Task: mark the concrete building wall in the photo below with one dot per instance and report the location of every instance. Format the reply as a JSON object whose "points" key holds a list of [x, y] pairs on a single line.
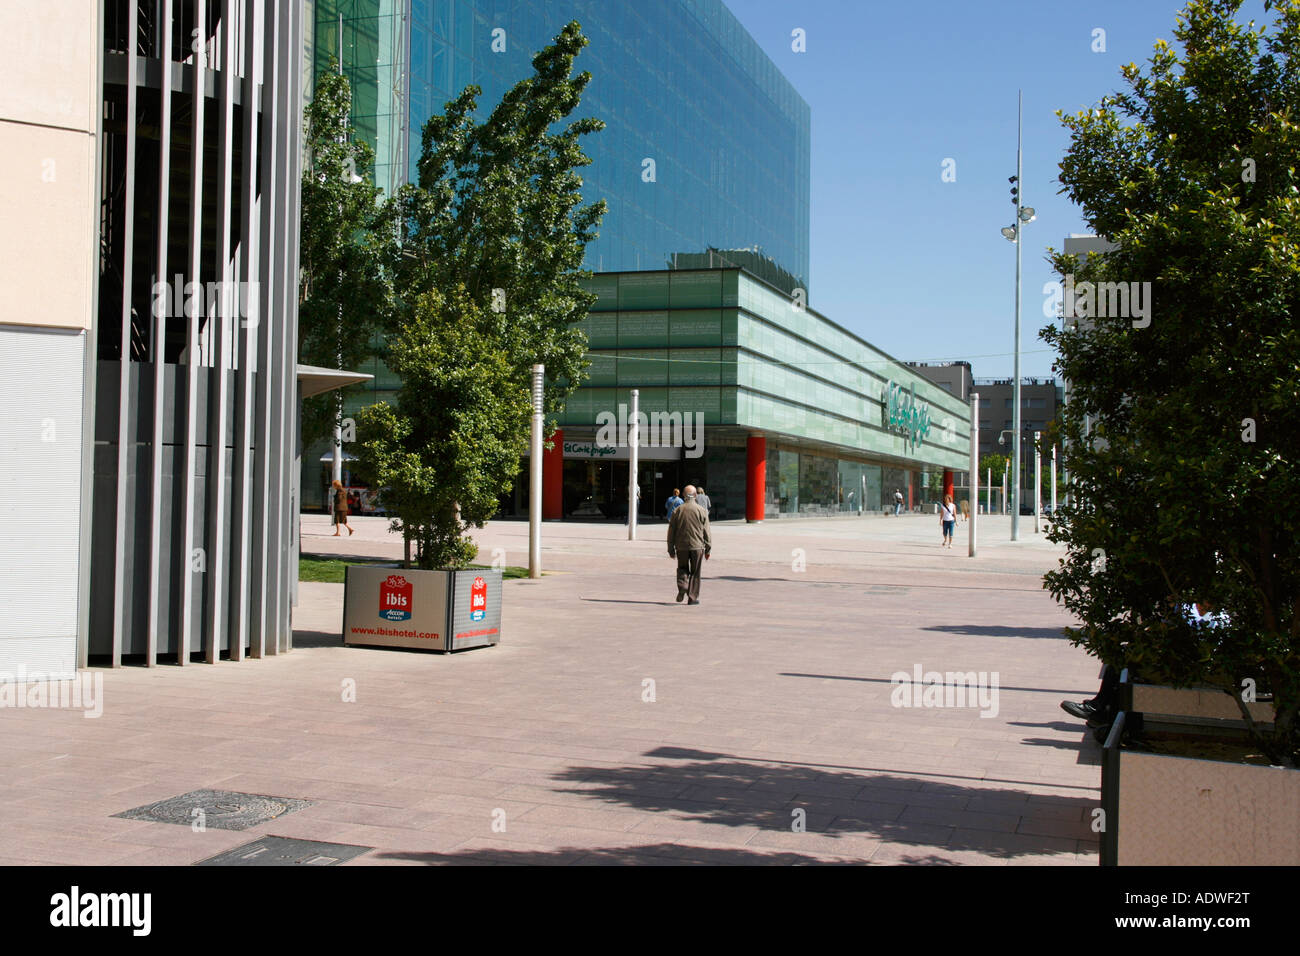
{"points": [[49, 119]]}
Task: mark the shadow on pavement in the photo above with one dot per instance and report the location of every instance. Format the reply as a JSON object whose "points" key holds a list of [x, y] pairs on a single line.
{"points": [[890, 680], [317, 639], [837, 802], [655, 854], [998, 630]]}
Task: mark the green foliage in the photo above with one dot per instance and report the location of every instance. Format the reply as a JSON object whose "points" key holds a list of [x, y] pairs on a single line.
{"points": [[454, 441], [349, 236], [1169, 504], [494, 238], [998, 463], [497, 207]]}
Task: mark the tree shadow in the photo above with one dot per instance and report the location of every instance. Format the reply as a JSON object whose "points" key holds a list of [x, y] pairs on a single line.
{"points": [[652, 854], [863, 806], [999, 630]]}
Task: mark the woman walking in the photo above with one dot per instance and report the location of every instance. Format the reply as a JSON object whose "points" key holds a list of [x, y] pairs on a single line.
{"points": [[947, 518], [340, 508]]}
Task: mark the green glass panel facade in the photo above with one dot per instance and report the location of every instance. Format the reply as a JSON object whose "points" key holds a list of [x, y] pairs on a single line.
{"points": [[792, 375]]}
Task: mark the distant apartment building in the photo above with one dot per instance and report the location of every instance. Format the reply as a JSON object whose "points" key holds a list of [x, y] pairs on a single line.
{"points": [[953, 377]]}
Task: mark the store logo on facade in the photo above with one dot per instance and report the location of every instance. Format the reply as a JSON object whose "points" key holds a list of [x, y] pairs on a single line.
{"points": [[656, 430], [478, 600], [396, 597], [586, 449], [907, 414]]}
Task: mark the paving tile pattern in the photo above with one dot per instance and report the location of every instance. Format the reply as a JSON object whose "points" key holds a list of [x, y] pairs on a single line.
{"points": [[612, 725]]}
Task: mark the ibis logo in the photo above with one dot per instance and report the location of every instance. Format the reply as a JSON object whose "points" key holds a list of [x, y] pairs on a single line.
{"points": [[396, 597], [478, 600]]}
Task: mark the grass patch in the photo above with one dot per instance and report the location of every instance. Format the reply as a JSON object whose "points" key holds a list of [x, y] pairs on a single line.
{"points": [[332, 570]]}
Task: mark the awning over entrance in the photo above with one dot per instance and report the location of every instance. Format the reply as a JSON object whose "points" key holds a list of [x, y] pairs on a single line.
{"points": [[314, 380]]}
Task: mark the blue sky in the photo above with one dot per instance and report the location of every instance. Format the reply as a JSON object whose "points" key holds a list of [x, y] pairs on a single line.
{"points": [[912, 264]]}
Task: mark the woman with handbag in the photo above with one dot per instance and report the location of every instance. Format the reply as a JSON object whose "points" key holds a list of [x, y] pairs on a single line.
{"points": [[340, 508]]}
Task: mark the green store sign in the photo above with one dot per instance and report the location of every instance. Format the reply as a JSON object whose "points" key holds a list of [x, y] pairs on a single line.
{"points": [[906, 413]]}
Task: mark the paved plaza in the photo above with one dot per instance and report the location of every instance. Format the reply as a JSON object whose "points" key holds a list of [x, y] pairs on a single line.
{"points": [[613, 725]]}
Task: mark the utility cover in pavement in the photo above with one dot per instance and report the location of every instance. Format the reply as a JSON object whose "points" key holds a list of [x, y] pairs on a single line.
{"points": [[282, 851], [216, 809]]}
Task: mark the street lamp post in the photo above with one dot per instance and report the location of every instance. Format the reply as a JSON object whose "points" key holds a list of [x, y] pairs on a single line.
{"points": [[1024, 216]]}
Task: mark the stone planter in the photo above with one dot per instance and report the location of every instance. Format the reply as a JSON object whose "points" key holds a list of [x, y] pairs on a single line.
{"points": [[1163, 810]]}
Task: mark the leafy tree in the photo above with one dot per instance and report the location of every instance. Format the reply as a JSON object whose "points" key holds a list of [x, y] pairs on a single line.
{"points": [[998, 464], [496, 209], [493, 244], [455, 438], [1185, 489], [349, 235]]}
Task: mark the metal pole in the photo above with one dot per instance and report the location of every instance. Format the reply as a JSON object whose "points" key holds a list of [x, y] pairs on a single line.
{"points": [[988, 491], [338, 357], [1015, 385], [1004, 488], [974, 469], [1038, 482], [1053, 482], [633, 441], [535, 478]]}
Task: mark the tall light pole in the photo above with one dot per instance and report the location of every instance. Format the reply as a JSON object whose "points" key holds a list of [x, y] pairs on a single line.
{"points": [[1024, 216], [535, 474]]}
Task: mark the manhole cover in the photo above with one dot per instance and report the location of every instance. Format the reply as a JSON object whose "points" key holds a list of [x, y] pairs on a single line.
{"points": [[282, 851], [217, 809]]}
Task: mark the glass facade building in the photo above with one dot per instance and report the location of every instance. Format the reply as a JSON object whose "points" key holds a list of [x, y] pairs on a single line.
{"points": [[764, 378], [704, 159]]}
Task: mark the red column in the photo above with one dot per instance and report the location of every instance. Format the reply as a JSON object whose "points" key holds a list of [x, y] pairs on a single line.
{"points": [[909, 488], [947, 482], [755, 477], [553, 478]]}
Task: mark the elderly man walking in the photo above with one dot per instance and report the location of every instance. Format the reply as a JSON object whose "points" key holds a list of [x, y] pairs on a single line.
{"points": [[690, 544]]}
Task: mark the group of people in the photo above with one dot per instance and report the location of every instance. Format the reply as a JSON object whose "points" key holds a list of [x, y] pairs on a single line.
{"points": [[675, 501]]}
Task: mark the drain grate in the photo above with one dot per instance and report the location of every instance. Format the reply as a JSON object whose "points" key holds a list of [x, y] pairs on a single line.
{"points": [[217, 809], [283, 851]]}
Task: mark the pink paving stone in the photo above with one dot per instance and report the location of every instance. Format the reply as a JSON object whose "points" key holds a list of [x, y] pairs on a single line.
{"points": [[774, 693]]}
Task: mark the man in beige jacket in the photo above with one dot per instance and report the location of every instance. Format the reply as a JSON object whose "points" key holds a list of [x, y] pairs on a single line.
{"points": [[689, 542]]}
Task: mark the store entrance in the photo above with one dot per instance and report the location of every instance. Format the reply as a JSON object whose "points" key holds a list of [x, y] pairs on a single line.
{"points": [[595, 490]]}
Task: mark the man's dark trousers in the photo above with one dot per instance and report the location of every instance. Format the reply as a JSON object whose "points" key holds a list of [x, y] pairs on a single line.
{"points": [[689, 565]]}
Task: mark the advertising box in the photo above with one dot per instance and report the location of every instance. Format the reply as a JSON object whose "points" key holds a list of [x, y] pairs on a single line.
{"points": [[475, 608], [426, 610], [396, 607]]}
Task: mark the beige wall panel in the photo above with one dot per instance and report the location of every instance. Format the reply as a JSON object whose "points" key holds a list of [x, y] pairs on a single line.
{"points": [[47, 240], [50, 62]]}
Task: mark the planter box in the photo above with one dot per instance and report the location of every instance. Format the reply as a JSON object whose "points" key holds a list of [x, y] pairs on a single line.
{"points": [[1205, 706], [1163, 810], [426, 610]]}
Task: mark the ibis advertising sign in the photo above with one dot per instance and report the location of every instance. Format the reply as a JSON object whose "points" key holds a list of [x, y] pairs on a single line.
{"points": [[428, 610], [906, 414]]}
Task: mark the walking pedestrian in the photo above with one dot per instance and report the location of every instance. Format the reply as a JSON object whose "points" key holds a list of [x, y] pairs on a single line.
{"points": [[340, 508], [673, 503], [898, 501], [948, 519], [690, 543], [703, 501]]}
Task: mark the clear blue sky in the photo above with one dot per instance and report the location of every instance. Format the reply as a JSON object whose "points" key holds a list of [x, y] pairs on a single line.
{"points": [[915, 265]]}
